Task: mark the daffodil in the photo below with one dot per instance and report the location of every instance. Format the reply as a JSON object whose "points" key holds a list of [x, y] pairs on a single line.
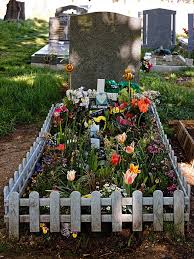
{"points": [[134, 169]]}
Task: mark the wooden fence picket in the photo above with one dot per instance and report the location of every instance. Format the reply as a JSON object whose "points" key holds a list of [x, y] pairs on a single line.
{"points": [[137, 211], [116, 211], [75, 211], [14, 215], [96, 212], [55, 212], [158, 210], [179, 211], [34, 211]]}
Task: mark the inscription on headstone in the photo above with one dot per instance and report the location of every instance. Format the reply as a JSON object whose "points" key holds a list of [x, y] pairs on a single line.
{"points": [[159, 28], [102, 45], [191, 32]]}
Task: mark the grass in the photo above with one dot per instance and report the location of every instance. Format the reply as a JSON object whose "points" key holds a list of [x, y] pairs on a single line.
{"points": [[176, 101], [26, 93]]}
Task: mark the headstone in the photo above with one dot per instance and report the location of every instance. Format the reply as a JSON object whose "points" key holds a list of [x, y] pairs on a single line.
{"points": [[15, 10], [191, 32], [103, 45], [59, 25], [159, 28], [59, 28]]}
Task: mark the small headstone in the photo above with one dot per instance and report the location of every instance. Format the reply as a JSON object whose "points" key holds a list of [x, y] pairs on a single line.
{"points": [[15, 10], [191, 32], [59, 25], [159, 28], [103, 45]]}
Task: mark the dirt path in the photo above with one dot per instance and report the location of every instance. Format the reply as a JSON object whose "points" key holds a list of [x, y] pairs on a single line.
{"points": [[150, 245], [12, 150]]}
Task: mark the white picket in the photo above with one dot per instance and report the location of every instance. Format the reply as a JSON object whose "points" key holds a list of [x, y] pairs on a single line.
{"points": [[14, 215], [55, 211], [116, 211], [75, 211], [179, 211], [137, 211], [158, 210], [96, 212], [34, 211]]}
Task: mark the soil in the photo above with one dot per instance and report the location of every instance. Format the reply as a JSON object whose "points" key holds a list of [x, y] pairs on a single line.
{"points": [[146, 244]]}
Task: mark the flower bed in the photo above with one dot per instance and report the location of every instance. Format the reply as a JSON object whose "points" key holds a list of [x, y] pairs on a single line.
{"points": [[90, 154]]}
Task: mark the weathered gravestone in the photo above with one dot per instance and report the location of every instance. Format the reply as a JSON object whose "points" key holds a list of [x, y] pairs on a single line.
{"points": [[159, 28], [15, 10], [102, 45], [59, 25], [191, 32]]}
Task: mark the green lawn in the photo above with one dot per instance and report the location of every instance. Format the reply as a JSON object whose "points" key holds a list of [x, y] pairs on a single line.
{"points": [[26, 93], [176, 101]]}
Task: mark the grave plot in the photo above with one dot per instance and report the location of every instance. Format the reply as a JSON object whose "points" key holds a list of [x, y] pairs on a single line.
{"points": [[97, 161]]}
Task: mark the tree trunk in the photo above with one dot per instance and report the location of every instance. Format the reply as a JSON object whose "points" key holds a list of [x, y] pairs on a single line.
{"points": [[15, 10]]}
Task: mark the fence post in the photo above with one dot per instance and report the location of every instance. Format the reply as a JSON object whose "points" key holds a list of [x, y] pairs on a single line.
{"points": [[158, 210], [137, 210], [34, 210], [14, 215], [116, 200], [96, 212], [54, 211], [179, 211], [75, 211]]}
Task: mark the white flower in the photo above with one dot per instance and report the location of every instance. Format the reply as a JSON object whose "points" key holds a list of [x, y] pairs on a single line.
{"points": [[71, 175]]}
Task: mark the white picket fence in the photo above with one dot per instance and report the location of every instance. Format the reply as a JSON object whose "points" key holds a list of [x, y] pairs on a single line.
{"points": [[26, 169], [136, 217], [17, 185], [185, 187]]}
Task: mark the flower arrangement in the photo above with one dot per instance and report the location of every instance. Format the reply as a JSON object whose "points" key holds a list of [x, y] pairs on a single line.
{"points": [[128, 154], [146, 66]]}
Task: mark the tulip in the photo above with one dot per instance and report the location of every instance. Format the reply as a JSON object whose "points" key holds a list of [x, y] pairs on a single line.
{"points": [[71, 175], [129, 177], [115, 159], [121, 138], [129, 149]]}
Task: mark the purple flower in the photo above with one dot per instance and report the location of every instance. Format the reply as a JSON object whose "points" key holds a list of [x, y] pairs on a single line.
{"points": [[170, 174], [172, 188], [153, 149]]}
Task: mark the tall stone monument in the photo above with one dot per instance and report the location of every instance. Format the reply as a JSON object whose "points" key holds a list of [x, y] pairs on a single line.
{"points": [[191, 32], [102, 45], [159, 28]]}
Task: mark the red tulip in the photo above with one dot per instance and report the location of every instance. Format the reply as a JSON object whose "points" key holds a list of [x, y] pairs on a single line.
{"points": [[115, 159]]}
